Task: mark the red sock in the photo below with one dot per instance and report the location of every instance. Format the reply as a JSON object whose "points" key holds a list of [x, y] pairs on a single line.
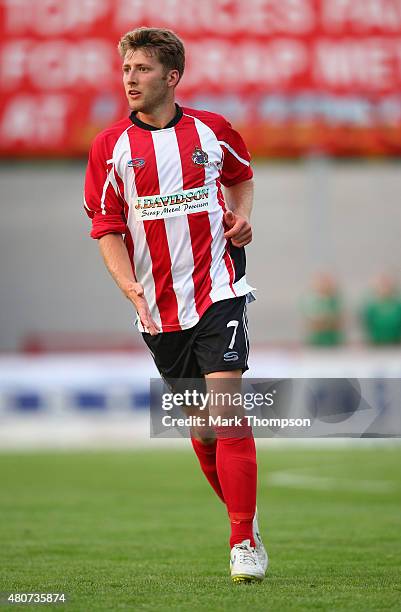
{"points": [[206, 454], [237, 472]]}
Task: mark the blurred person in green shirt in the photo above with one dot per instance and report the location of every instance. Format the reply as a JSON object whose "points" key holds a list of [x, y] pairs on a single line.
{"points": [[322, 309], [381, 312]]}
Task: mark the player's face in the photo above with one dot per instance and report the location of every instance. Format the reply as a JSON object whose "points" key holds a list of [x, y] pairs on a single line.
{"points": [[147, 84]]}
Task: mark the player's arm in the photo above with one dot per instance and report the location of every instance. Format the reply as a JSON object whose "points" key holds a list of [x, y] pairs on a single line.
{"points": [[116, 258], [239, 201], [237, 180], [104, 205]]}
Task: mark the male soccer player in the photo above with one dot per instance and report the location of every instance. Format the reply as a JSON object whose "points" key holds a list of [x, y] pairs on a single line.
{"points": [[175, 247]]}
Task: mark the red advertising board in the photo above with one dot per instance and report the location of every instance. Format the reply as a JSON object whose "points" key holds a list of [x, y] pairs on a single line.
{"points": [[295, 76]]}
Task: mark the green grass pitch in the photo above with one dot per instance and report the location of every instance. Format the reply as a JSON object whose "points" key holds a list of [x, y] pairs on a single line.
{"points": [[141, 530]]}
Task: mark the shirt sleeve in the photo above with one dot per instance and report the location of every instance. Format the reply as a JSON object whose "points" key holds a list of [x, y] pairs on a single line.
{"points": [[102, 200], [237, 161]]}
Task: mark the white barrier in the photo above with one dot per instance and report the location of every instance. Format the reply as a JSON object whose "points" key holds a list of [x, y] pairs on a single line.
{"points": [[102, 400]]}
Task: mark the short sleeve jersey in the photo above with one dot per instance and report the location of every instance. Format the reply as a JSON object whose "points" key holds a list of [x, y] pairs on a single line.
{"points": [[161, 189]]}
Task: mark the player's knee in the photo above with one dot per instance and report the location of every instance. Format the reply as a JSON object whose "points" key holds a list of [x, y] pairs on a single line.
{"points": [[205, 436]]}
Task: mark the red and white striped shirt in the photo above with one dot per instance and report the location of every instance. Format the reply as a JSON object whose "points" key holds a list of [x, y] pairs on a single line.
{"points": [[161, 188]]}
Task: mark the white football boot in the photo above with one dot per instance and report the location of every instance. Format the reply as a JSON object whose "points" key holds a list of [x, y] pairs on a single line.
{"points": [[259, 547], [244, 563]]}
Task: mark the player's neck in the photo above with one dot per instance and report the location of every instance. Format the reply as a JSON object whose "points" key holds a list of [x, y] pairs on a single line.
{"points": [[160, 117]]}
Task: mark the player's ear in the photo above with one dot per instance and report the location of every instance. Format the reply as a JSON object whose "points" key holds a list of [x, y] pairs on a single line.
{"points": [[173, 76]]}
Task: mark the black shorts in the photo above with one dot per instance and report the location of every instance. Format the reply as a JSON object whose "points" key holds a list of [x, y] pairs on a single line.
{"points": [[217, 343]]}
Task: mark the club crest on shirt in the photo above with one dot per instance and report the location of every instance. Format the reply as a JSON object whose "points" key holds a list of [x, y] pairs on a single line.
{"points": [[137, 162], [199, 157]]}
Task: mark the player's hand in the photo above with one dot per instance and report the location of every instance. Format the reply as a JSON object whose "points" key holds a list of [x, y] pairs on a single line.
{"points": [[240, 230], [137, 297]]}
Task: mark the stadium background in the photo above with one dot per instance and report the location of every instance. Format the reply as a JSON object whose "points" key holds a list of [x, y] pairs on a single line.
{"points": [[312, 85]]}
